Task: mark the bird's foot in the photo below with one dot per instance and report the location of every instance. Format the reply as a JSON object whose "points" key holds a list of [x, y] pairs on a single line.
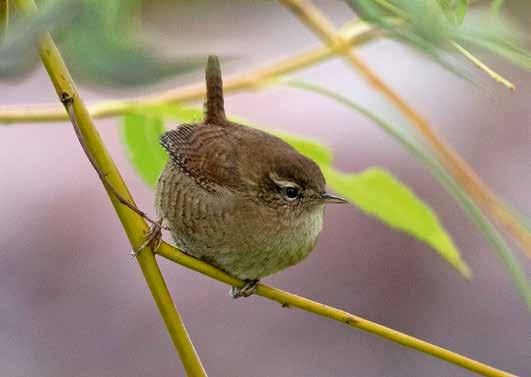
{"points": [[153, 238], [247, 290]]}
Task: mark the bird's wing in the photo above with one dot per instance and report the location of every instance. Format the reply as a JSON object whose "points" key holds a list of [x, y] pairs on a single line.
{"points": [[205, 152]]}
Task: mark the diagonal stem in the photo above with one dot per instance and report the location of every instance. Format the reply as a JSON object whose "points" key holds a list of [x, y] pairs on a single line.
{"points": [[134, 225], [467, 178]]}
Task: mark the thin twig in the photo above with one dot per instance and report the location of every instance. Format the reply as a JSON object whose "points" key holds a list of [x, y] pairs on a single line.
{"points": [[68, 102], [478, 63]]}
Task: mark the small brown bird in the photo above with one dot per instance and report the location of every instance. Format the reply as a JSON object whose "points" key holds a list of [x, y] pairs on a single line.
{"points": [[237, 197]]}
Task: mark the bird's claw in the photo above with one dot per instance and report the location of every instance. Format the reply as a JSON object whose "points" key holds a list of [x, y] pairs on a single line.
{"points": [[247, 290], [153, 238]]}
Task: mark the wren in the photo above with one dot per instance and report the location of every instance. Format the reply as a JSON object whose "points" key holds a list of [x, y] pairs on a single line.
{"points": [[237, 197]]}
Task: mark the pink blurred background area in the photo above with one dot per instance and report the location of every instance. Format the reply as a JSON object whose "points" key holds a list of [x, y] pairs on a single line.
{"points": [[73, 303]]}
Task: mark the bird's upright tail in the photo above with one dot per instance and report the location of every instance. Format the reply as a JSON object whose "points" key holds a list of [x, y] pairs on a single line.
{"points": [[214, 106]]}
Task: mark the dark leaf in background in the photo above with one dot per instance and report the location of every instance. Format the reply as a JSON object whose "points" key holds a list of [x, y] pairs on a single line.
{"points": [[99, 39], [18, 52], [102, 48]]}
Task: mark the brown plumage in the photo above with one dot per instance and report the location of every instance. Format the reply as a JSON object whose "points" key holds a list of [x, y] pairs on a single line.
{"points": [[237, 197]]}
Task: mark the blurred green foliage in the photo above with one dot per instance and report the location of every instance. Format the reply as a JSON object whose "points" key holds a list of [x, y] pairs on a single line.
{"points": [[103, 44], [454, 10], [100, 41], [431, 25]]}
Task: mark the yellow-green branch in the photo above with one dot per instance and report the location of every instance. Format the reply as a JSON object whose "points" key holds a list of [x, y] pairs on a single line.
{"points": [[134, 226], [361, 34], [312, 17], [290, 300]]}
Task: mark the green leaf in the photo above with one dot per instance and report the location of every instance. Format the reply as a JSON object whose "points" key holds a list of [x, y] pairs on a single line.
{"points": [[4, 17], [454, 10], [379, 194], [140, 135]]}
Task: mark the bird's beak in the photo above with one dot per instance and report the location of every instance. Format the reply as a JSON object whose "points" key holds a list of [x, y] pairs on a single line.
{"points": [[329, 198]]}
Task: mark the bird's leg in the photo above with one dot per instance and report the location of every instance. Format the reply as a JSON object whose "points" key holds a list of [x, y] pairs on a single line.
{"points": [[247, 290], [155, 233], [153, 238]]}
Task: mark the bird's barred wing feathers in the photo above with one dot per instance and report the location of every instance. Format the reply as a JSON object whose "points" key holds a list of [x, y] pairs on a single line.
{"points": [[205, 152]]}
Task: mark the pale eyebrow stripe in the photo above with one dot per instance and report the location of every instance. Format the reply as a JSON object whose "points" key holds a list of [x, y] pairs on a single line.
{"points": [[282, 182]]}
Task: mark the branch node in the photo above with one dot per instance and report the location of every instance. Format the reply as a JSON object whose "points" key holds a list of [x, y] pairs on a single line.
{"points": [[66, 98]]}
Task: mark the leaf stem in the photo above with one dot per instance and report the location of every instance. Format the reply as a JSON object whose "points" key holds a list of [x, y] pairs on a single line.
{"points": [[311, 16], [290, 300], [134, 226]]}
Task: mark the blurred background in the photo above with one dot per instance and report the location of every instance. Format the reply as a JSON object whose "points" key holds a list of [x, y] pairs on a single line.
{"points": [[74, 303]]}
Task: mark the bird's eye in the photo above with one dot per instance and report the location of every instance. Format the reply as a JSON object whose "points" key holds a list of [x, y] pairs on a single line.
{"points": [[291, 192]]}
